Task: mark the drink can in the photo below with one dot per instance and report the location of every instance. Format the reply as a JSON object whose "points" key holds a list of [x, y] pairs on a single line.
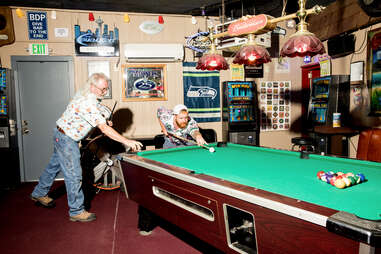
{"points": [[336, 120]]}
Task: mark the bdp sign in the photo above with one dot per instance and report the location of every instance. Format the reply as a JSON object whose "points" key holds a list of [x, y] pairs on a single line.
{"points": [[37, 25]]}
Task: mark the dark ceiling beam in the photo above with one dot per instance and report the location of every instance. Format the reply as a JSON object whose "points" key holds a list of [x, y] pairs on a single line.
{"points": [[233, 8], [210, 10]]}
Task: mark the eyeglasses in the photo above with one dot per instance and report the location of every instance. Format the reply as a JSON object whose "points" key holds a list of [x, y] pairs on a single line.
{"points": [[103, 90]]}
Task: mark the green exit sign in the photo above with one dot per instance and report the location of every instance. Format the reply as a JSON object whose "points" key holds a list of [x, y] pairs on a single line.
{"points": [[38, 49]]}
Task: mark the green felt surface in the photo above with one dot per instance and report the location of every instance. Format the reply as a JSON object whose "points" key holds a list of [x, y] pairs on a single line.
{"points": [[285, 173]]}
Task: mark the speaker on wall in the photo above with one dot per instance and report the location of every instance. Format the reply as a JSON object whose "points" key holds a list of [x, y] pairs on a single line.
{"points": [[341, 45], [7, 34]]}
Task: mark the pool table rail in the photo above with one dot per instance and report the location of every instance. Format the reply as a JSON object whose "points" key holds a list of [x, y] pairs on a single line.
{"points": [[351, 226], [290, 206], [334, 221]]}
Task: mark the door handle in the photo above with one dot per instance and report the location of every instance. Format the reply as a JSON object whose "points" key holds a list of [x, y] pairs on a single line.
{"points": [[12, 128], [24, 127]]}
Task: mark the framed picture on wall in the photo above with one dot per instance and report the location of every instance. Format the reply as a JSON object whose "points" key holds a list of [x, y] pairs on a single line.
{"points": [[374, 71], [103, 67], [144, 82]]}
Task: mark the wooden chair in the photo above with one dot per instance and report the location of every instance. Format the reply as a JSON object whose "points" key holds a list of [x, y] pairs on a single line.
{"points": [[369, 145]]}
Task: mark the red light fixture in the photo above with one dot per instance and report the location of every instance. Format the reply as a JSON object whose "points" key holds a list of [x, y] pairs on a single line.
{"points": [[91, 16], [161, 20], [252, 54], [302, 43], [212, 61]]}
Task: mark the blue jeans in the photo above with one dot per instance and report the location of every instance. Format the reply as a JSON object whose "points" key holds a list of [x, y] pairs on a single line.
{"points": [[67, 158]]}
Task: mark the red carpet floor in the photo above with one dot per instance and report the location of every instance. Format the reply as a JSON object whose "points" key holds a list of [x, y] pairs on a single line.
{"points": [[27, 228]]}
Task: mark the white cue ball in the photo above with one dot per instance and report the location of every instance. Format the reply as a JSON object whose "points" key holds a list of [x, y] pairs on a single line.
{"points": [[212, 150]]}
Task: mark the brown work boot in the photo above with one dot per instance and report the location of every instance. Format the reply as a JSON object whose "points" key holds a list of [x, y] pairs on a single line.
{"points": [[44, 201], [83, 217]]}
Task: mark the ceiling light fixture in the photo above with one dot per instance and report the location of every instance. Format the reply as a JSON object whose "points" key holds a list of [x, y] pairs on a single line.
{"points": [[251, 54], [212, 61], [302, 43]]}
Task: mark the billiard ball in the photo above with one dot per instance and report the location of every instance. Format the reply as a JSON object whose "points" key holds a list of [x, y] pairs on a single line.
{"points": [[332, 181], [323, 177], [339, 183], [319, 174], [361, 176], [347, 181], [352, 179], [328, 178]]}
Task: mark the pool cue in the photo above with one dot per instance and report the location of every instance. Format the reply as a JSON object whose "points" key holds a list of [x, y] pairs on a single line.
{"points": [[112, 111], [211, 149]]}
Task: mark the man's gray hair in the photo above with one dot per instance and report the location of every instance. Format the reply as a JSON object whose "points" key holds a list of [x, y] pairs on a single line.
{"points": [[93, 80]]}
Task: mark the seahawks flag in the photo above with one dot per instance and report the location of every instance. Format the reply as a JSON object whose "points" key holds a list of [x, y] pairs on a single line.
{"points": [[202, 93]]}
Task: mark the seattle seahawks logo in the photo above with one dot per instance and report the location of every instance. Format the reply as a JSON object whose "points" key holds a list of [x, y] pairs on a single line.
{"points": [[201, 91], [144, 84]]}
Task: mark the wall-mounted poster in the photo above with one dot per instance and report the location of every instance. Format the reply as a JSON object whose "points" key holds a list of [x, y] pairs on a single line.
{"points": [[275, 105], [144, 82], [101, 42], [325, 65], [237, 72], [202, 93], [374, 71], [37, 25], [282, 65], [254, 71]]}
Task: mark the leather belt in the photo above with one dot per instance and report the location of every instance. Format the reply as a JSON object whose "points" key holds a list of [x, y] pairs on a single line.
{"points": [[60, 130]]}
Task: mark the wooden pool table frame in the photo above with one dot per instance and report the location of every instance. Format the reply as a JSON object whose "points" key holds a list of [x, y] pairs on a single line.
{"points": [[282, 224]]}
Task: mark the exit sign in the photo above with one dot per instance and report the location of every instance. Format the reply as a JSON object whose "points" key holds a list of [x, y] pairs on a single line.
{"points": [[38, 49]]}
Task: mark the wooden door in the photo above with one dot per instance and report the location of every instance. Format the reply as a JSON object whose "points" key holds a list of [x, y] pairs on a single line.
{"points": [[309, 72]]}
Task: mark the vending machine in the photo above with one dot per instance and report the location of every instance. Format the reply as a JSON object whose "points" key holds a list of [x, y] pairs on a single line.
{"points": [[329, 95], [9, 154], [240, 112]]}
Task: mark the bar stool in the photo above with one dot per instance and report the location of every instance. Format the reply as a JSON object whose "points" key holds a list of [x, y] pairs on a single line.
{"points": [[303, 144]]}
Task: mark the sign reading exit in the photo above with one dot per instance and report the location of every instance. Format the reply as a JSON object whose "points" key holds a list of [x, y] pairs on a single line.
{"points": [[38, 49], [37, 25]]}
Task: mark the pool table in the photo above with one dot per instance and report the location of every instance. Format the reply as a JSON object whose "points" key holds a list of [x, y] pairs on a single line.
{"points": [[246, 199]]}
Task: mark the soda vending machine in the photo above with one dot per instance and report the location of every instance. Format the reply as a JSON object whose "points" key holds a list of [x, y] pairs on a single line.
{"points": [[240, 112], [9, 153]]}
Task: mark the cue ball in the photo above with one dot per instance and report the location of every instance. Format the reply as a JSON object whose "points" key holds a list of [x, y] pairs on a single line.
{"points": [[212, 150]]}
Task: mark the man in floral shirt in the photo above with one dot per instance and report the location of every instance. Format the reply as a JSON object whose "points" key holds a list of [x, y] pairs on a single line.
{"points": [[83, 114], [178, 122]]}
